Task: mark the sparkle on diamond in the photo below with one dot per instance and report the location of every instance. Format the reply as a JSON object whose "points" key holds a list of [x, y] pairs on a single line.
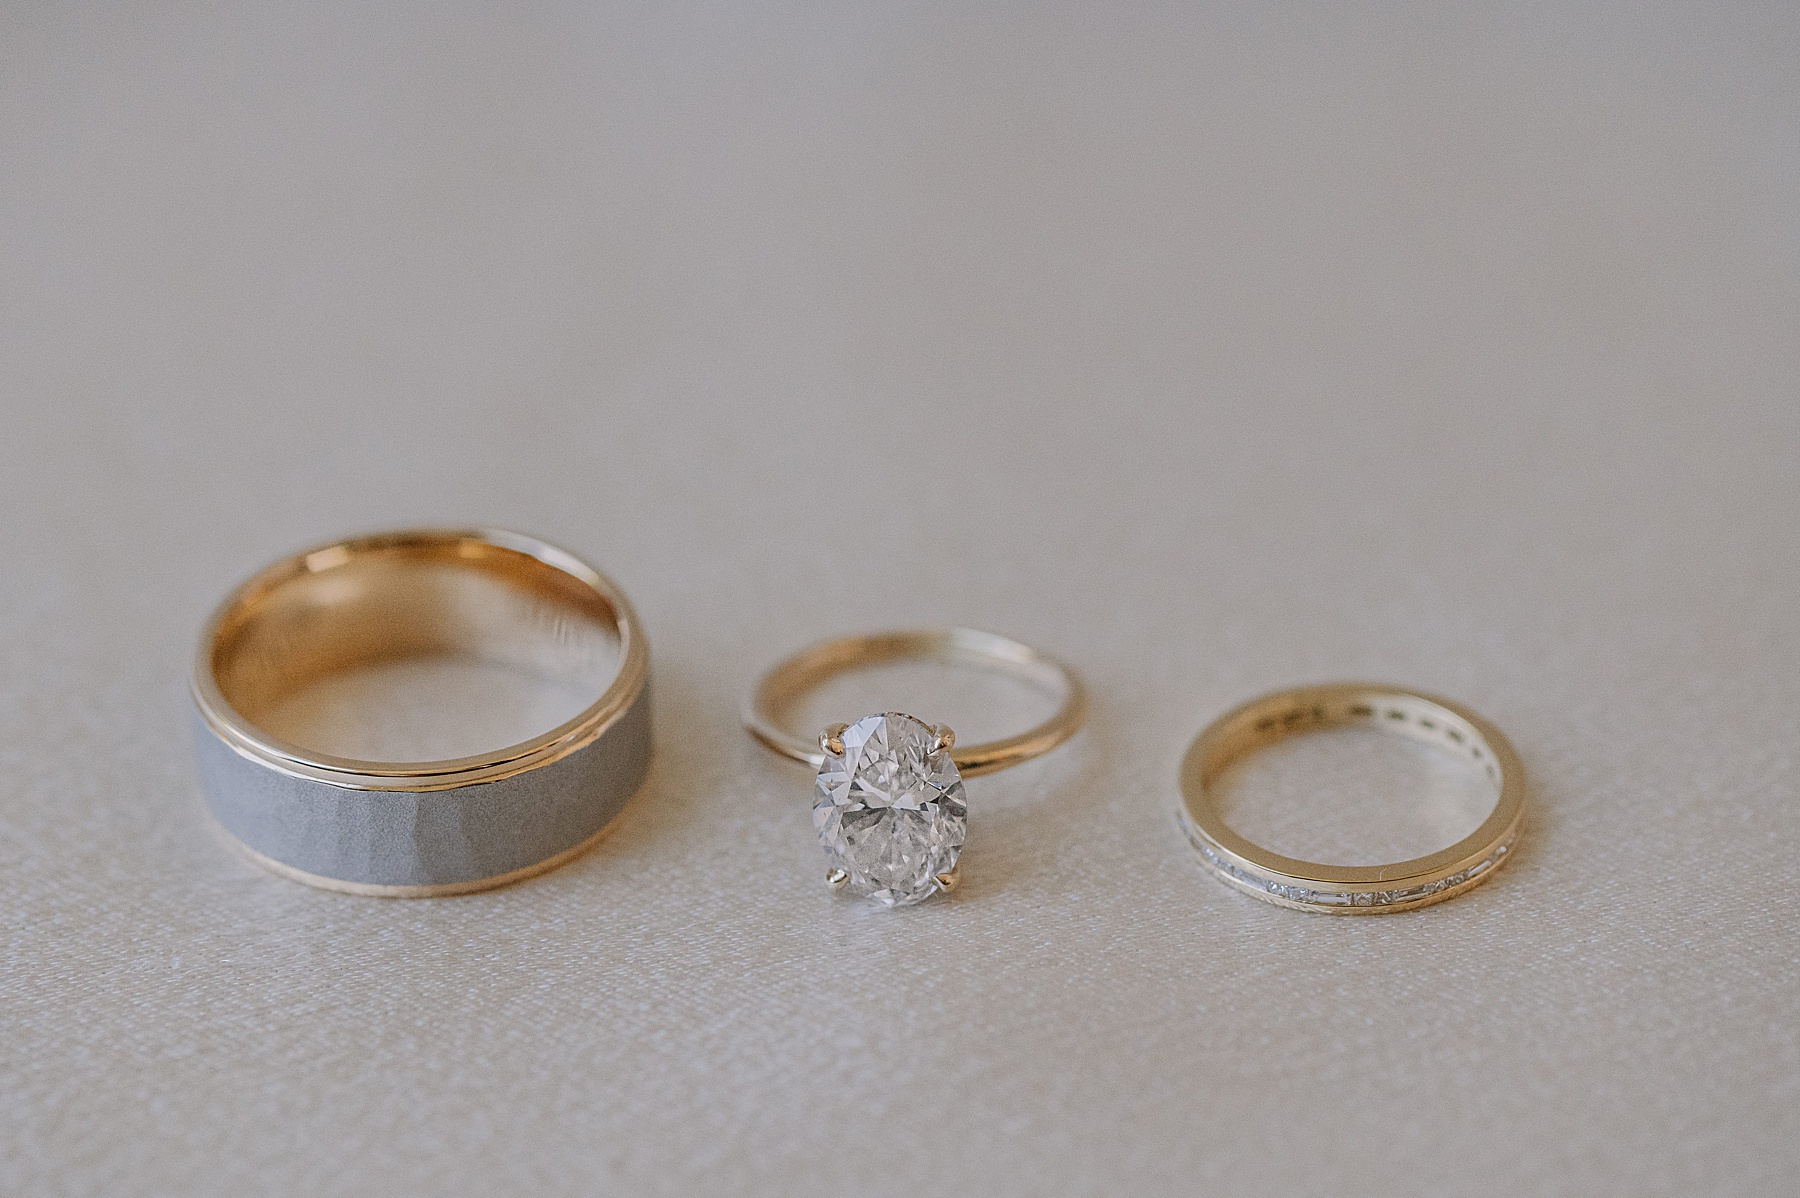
{"points": [[890, 812]]}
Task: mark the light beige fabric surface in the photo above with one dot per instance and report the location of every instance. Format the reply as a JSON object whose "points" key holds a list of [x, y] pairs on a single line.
{"points": [[1216, 351]]}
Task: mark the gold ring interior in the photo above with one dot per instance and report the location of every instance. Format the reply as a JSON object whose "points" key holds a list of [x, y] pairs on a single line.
{"points": [[480, 594], [771, 702], [1351, 889]]}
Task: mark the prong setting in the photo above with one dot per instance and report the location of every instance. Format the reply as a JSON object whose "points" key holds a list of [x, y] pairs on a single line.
{"points": [[950, 879], [831, 740], [836, 879], [943, 738], [890, 810]]}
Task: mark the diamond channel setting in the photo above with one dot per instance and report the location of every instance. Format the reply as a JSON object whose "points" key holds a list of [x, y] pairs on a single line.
{"points": [[1289, 895], [1347, 889], [889, 809]]}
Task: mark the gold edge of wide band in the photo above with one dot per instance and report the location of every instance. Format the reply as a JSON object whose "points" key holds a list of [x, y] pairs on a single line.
{"points": [[440, 890], [614, 703], [607, 713]]}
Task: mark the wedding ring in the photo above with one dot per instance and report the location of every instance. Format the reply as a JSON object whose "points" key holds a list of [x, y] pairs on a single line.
{"points": [[888, 792], [427, 828], [1351, 890]]}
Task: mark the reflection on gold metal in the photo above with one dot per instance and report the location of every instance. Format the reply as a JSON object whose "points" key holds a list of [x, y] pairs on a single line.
{"points": [[503, 597]]}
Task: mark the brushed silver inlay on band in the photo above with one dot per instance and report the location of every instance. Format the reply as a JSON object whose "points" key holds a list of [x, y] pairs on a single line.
{"points": [[420, 829]]}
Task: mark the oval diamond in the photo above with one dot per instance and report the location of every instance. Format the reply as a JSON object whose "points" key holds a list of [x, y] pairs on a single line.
{"points": [[889, 811]]}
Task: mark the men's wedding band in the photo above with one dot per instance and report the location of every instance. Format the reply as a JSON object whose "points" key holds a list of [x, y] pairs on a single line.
{"points": [[421, 829]]}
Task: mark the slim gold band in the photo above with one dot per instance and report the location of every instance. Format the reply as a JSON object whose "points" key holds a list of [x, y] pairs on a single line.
{"points": [[777, 690], [1351, 890]]}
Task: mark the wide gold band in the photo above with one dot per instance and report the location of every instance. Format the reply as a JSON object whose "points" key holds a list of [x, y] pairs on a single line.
{"points": [[421, 828], [1351, 890], [776, 691]]}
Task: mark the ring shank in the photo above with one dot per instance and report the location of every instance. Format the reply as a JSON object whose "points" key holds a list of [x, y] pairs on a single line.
{"points": [[332, 611], [430, 827], [776, 692], [1313, 886]]}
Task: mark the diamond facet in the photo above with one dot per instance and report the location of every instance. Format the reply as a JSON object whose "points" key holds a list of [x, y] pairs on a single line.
{"points": [[889, 811]]}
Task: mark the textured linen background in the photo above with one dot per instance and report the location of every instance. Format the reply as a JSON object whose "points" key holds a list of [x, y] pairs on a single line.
{"points": [[1217, 351]]}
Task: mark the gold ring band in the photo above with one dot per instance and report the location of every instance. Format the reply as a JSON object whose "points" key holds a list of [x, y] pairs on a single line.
{"points": [[888, 799], [1351, 890], [776, 691], [426, 828]]}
